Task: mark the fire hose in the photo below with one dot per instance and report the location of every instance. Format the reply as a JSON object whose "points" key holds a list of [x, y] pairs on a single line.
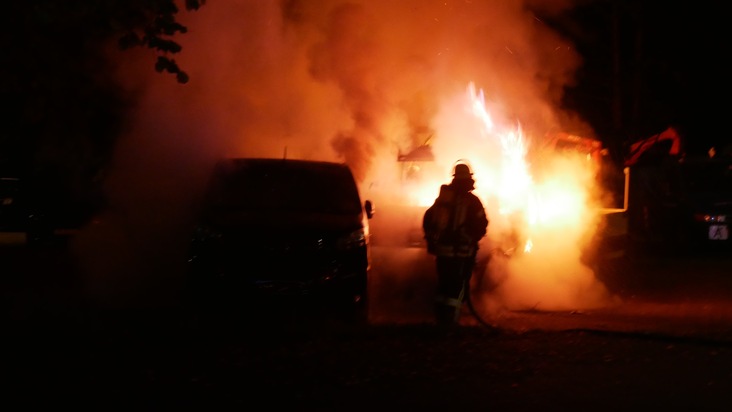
{"points": [[471, 307], [473, 311], [505, 253]]}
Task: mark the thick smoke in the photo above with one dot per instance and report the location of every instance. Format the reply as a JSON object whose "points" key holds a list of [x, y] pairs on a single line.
{"points": [[352, 81]]}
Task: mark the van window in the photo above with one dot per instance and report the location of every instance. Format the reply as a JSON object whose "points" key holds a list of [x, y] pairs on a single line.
{"points": [[285, 186]]}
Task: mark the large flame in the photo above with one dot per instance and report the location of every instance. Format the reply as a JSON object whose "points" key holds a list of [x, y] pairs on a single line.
{"points": [[505, 180], [541, 215]]}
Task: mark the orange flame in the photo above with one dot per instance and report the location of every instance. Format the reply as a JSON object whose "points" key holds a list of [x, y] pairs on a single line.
{"points": [[540, 214], [519, 204]]}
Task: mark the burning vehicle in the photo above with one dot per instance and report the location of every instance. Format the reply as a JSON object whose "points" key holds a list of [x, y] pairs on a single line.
{"points": [[415, 168], [550, 214], [418, 171], [400, 220]]}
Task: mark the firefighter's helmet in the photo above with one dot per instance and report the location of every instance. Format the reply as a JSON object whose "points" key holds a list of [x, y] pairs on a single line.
{"points": [[462, 171]]}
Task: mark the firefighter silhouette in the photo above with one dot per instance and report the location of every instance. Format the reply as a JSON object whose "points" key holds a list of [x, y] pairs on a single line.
{"points": [[453, 226]]}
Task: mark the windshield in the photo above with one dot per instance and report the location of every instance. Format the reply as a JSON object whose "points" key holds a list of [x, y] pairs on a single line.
{"points": [[285, 186]]}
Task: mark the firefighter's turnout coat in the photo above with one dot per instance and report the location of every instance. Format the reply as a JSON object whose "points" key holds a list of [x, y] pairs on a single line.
{"points": [[455, 223]]}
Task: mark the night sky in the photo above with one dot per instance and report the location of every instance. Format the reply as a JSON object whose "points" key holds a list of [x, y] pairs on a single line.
{"points": [[649, 65]]}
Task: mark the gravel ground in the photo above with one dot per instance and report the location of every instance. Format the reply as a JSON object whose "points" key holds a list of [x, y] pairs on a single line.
{"points": [[60, 353], [146, 361]]}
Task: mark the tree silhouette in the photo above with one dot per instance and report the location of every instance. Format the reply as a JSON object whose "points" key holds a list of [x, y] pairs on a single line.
{"points": [[63, 108]]}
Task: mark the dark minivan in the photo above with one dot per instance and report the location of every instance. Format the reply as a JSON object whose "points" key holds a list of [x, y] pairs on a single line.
{"points": [[275, 232]]}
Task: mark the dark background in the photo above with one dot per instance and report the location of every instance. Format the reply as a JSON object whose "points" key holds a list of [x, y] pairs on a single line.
{"points": [[647, 66], [650, 65]]}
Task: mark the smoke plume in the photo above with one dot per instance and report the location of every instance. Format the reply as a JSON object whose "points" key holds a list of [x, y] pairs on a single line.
{"points": [[350, 81]]}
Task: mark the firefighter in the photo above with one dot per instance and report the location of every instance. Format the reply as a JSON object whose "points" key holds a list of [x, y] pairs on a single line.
{"points": [[453, 226]]}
